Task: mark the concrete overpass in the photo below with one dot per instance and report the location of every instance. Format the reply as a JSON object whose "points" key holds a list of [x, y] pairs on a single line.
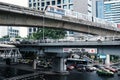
{"points": [[106, 47], [59, 51], [12, 15]]}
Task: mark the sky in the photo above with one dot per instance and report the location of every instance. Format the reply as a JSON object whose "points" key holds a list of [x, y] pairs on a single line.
{"points": [[23, 30], [16, 2]]}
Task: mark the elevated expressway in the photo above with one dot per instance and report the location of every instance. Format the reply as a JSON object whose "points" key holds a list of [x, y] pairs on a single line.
{"points": [[13, 15], [106, 47], [56, 50]]}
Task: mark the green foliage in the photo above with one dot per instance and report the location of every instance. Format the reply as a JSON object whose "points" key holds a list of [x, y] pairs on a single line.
{"points": [[114, 58], [49, 33], [18, 37], [6, 36]]}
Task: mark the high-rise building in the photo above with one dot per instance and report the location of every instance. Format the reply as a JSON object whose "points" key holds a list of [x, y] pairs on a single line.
{"points": [[82, 6], [9, 31], [112, 11], [108, 0], [99, 9]]}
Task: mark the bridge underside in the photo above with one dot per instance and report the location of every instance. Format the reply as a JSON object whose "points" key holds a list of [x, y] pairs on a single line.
{"points": [[8, 18], [42, 49]]}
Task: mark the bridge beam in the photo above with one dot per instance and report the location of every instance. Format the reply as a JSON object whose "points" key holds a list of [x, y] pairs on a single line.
{"points": [[8, 18]]}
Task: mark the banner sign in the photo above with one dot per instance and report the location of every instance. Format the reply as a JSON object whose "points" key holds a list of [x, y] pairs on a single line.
{"points": [[101, 56], [81, 50]]}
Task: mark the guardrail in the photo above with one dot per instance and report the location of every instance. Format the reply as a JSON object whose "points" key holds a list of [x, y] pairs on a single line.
{"points": [[19, 9], [57, 41]]}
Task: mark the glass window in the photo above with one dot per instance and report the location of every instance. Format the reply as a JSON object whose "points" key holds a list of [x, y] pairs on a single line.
{"points": [[71, 6], [34, 29], [70, 1], [65, 1], [71, 32], [89, 5], [60, 11], [58, 1], [42, 9], [65, 7], [53, 2], [52, 9], [59, 6], [48, 3], [38, 4], [29, 0], [10, 33], [29, 34], [30, 5], [89, 11], [42, 4], [33, 0], [34, 4], [30, 29]]}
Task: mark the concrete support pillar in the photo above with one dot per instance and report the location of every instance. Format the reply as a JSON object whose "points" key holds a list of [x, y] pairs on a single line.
{"points": [[34, 64], [15, 59], [107, 61], [59, 64], [41, 52]]}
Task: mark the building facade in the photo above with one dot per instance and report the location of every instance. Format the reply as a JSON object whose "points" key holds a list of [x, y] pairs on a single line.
{"points": [[82, 6], [9, 31], [112, 11], [99, 9]]}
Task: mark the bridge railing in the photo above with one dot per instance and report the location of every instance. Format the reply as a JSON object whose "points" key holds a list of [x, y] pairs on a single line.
{"points": [[19, 9], [92, 39]]}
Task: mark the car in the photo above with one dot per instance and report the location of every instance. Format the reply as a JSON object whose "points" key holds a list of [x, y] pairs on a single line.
{"points": [[111, 69]]}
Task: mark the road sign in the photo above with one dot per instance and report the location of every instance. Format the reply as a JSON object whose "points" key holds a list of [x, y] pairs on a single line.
{"points": [[102, 56]]}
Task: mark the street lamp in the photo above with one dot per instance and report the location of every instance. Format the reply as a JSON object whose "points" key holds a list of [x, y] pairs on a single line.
{"points": [[43, 28]]}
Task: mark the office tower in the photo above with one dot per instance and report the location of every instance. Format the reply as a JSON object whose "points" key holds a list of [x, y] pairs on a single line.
{"points": [[99, 12], [11, 32], [112, 11]]}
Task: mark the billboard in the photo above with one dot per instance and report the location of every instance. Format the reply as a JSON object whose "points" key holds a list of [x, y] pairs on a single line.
{"points": [[102, 56], [118, 26], [88, 50]]}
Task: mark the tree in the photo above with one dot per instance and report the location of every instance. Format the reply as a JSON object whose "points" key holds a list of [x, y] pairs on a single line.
{"points": [[6, 36], [49, 33], [17, 36]]}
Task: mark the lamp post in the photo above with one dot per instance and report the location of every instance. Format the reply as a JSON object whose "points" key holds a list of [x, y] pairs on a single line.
{"points": [[43, 29]]}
